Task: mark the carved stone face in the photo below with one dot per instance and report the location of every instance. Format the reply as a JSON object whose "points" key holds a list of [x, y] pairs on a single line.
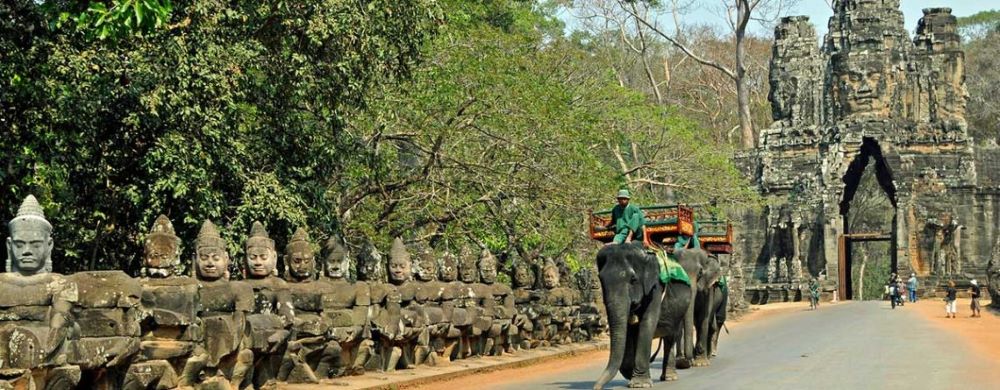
{"points": [[29, 247], [523, 275], [468, 272], [161, 255], [399, 269], [427, 267], [550, 276], [261, 262], [213, 263], [448, 269], [336, 261], [301, 261], [487, 267], [371, 267], [861, 85]]}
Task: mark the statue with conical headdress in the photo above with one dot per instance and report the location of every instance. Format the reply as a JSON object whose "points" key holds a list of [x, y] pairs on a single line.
{"points": [[272, 316], [211, 257], [172, 332], [161, 250], [300, 259], [336, 259], [35, 303], [262, 258], [29, 247]]}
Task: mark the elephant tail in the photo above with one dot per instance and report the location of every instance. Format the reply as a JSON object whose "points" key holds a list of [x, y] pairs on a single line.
{"points": [[656, 353]]}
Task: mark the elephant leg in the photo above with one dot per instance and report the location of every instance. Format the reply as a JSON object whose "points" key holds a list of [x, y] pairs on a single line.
{"points": [[669, 372], [701, 354], [686, 353], [647, 327]]}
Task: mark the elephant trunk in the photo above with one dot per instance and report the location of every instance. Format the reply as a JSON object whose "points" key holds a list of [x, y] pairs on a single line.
{"points": [[618, 325]]}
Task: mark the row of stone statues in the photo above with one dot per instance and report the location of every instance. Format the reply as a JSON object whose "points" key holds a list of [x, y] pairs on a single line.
{"points": [[167, 330]]}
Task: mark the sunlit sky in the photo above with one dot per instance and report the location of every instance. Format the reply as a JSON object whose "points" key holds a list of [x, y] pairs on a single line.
{"points": [[710, 12]]}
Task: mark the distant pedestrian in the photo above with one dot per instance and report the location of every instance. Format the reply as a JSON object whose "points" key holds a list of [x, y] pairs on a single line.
{"points": [[911, 286], [813, 294], [976, 293], [949, 300]]}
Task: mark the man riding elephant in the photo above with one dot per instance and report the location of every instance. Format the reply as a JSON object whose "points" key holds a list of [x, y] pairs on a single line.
{"points": [[627, 220]]}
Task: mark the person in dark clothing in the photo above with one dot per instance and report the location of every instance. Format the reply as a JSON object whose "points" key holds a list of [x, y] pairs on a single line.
{"points": [[976, 293], [949, 300]]}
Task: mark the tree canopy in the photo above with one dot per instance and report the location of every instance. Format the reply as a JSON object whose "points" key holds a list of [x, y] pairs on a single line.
{"points": [[446, 121]]}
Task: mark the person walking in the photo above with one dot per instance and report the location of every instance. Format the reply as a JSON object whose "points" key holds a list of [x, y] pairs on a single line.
{"points": [[976, 293], [911, 286], [949, 300], [813, 294]]}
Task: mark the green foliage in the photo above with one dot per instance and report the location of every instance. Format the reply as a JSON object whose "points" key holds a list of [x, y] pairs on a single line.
{"points": [[115, 18], [442, 121], [232, 113]]}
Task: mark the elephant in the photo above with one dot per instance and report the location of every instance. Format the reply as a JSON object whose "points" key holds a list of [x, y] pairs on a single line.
{"points": [[632, 290], [704, 272]]}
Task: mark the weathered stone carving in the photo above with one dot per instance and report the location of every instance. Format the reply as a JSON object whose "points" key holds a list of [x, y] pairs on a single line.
{"points": [[171, 331], [166, 330], [272, 313], [223, 356], [870, 94], [35, 307]]}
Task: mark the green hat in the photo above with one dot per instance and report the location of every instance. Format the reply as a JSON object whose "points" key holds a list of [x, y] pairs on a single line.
{"points": [[623, 193]]}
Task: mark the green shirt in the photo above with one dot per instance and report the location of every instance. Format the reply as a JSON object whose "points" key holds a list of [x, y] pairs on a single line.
{"points": [[627, 219]]}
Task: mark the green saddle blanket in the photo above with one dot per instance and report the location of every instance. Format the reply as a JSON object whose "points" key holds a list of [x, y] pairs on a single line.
{"points": [[670, 269]]}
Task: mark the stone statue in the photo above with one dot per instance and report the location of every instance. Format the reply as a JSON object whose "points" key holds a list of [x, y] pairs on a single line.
{"points": [[211, 256], [560, 305], [500, 299], [35, 304], [272, 314], [172, 329], [223, 358], [29, 247], [310, 355], [385, 314], [336, 260], [772, 265], [410, 342], [162, 247], [526, 301], [478, 308]]}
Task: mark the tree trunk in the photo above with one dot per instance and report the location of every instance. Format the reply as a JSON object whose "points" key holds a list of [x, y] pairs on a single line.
{"points": [[742, 89]]}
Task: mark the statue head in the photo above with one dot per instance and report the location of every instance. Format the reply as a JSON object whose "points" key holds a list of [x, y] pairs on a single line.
{"points": [[336, 260], [161, 250], [211, 256], [487, 267], [861, 85], [262, 258], [370, 264], [448, 267], [426, 267], [467, 270], [400, 263], [522, 276], [29, 247], [300, 261], [550, 274]]}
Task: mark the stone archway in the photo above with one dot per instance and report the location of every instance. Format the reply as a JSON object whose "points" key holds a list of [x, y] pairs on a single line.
{"points": [[868, 211]]}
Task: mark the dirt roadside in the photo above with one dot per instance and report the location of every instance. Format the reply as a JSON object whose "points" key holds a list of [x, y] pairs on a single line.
{"points": [[979, 335]]}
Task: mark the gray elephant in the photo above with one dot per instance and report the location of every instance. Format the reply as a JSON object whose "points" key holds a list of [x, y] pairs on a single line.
{"points": [[704, 271], [631, 287], [637, 310]]}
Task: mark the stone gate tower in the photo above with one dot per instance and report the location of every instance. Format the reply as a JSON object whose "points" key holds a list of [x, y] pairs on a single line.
{"points": [[869, 94]]}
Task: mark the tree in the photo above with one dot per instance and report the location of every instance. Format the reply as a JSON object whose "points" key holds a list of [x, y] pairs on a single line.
{"points": [[982, 70], [739, 14]]}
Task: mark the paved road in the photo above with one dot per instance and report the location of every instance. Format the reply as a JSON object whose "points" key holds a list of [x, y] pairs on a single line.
{"points": [[862, 345]]}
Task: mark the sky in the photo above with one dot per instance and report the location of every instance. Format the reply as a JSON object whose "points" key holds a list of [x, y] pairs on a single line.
{"points": [[708, 12]]}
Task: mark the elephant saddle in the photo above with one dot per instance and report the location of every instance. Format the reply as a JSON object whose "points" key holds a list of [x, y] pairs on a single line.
{"points": [[670, 269]]}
